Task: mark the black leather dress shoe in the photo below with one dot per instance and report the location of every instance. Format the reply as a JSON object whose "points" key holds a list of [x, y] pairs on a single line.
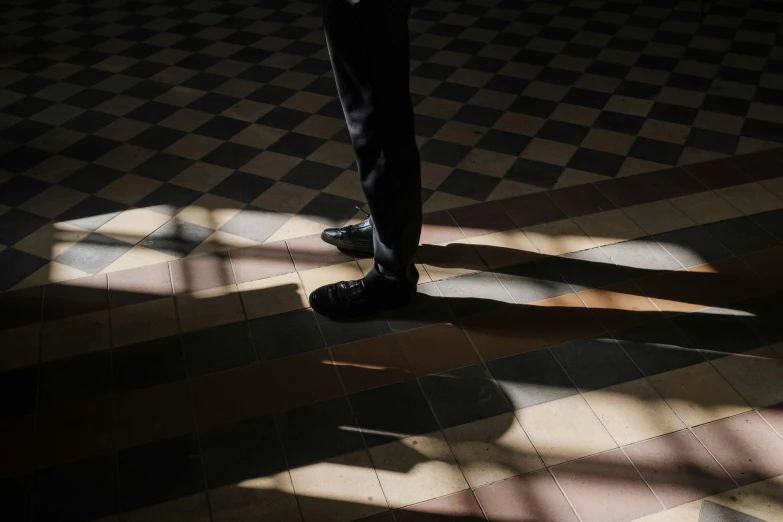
{"points": [[353, 299], [355, 238]]}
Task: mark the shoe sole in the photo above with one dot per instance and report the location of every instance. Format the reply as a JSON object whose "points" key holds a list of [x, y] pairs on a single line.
{"points": [[347, 245]]}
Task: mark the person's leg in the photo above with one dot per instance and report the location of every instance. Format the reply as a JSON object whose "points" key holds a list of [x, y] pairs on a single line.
{"points": [[369, 48]]}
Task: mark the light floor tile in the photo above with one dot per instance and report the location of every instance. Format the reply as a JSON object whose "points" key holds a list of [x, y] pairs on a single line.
{"points": [[136, 257], [339, 489], [610, 227], [295, 227], [685, 513], [757, 376], [504, 248], [775, 185], [128, 189], [416, 469], [50, 273], [558, 238], [258, 499], [565, 429], [53, 201], [751, 198], [318, 277], [133, 225], [698, 394], [220, 242], [442, 201], [210, 211], [274, 295], [706, 207], [761, 500], [658, 217], [633, 412], [51, 240], [493, 449]]}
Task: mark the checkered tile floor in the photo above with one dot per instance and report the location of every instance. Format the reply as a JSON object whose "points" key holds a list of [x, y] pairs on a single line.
{"points": [[136, 132], [604, 352]]}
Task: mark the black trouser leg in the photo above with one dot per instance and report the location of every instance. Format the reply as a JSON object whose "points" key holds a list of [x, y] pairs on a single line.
{"points": [[370, 51]]}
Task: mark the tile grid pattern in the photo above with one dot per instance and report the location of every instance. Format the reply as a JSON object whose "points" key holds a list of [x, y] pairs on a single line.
{"points": [[212, 393], [155, 130]]}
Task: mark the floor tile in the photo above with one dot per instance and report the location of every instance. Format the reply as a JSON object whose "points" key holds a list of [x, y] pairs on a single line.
{"points": [[745, 446], [94, 253], [609, 227], [537, 494], [209, 308], [678, 468], [263, 496], [559, 237], [92, 481], [160, 471], [218, 349], [716, 512], [693, 246], [436, 349], [75, 432], [261, 262], [705, 208], [143, 321], [392, 413], [310, 252], [464, 395], [642, 254], [340, 488], [319, 431], [201, 273], [417, 469], [17, 493], [622, 496], [658, 217], [177, 238], [757, 376], [596, 363], [658, 347], [194, 507], [274, 295], [75, 335], [492, 449], [139, 285], [633, 412], [85, 295], [751, 198], [533, 281], [153, 414], [474, 293], [717, 333], [75, 380], [371, 364], [742, 236], [501, 249], [147, 364], [286, 334], [21, 347], [462, 505]]}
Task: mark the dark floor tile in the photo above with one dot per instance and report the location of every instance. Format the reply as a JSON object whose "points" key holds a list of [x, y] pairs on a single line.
{"points": [[596, 363], [16, 497], [177, 238], [21, 307], [718, 174], [22, 159], [596, 161], [658, 347], [563, 132], [763, 130], [319, 431], [93, 253], [23, 132], [475, 115], [772, 222], [712, 512], [642, 254], [482, 218], [283, 118], [297, 145], [532, 209], [336, 332], [742, 235], [160, 471], [534, 281], [719, 142], [717, 332], [222, 128], [531, 378], [444, 153], [16, 265], [16, 225], [673, 113], [536, 173], [764, 316], [533, 106], [672, 183], [506, 84], [19, 189], [469, 185], [535, 494], [310, 174], [656, 151], [586, 98], [617, 122], [234, 156], [91, 213], [71, 381], [693, 246], [504, 142], [91, 178], [163, 167], [329, 210], [392, 413], [255, 224], [213, 103], [286, 335], [168, 199], [148, 364], [90, 148], [464, 395], [628, 191], [152, 112], [218, 349], [454, 92], [18, 392], [157, 138], [79, 491], [725, 105], [461, 507], [474, 293], [272, 94]]}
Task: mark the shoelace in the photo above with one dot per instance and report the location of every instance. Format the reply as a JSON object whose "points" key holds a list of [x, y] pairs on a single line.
{"points": [[360, 209]]}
